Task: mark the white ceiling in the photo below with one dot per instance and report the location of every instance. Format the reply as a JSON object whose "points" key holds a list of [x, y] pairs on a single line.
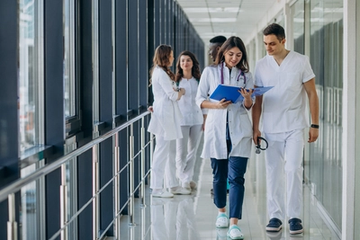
{"points": [[225, 17]]}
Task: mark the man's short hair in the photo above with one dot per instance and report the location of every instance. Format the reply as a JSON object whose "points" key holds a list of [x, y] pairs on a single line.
{"points": [[218, 39], [275, 29]]}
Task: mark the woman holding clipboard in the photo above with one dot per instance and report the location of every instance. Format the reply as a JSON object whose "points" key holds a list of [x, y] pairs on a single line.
{"points": [[228, 130]]}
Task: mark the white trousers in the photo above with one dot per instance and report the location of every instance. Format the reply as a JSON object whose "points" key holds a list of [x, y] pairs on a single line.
{"points": [[284, 169], [186, 149], [163, 164]]}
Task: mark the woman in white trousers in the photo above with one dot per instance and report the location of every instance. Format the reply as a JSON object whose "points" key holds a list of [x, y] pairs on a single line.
{"points": [[165, 124], [187, 77]]}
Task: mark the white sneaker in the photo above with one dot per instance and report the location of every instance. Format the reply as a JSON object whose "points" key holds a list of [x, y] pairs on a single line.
{"points": [[222, 220], [235, 232], [180, 191], [161, 194]]}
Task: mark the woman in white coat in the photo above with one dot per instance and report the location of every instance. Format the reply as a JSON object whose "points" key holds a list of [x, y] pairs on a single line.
{"points": [[187, 77], [165, 124], [228, 131]]}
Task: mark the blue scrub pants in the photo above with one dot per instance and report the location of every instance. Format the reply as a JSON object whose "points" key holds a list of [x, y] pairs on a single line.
{"points": [[233, 169]]}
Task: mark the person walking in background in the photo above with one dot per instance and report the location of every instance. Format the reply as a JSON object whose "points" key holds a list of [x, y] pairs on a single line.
{"points": [[228, 131], [284, 118], [215, 44], [187, 77], [165, 124]]}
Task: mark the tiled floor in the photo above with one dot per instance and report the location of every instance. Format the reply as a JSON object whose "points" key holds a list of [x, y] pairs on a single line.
{"points": [[193, 217]]}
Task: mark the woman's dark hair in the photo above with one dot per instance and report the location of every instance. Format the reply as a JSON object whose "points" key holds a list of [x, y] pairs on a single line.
{"points": [[195, 71], [162, 59], [275, 29], [229, 44]]}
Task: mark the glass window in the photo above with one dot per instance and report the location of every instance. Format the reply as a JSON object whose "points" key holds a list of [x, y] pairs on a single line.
{"points": [[298, 22], [280, 19], [30, 74], [29, 210], [262, 49], [32, 206], [69, 59], [326, 46]]}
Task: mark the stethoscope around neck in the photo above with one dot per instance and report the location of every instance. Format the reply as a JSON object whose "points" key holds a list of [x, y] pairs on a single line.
{"points": [[238, 77]]}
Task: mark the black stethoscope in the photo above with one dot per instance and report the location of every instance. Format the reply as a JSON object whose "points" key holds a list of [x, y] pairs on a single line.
{"points": [[258, 146], [238, 77]]}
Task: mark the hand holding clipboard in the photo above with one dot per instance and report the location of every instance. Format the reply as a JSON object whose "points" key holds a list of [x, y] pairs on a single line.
{"points": [[231, 93]]}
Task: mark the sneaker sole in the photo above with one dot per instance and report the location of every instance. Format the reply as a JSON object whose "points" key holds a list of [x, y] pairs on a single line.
{"points": [[271, 229], [297, 232], [181, 193], [218, 226], [235, 238]]}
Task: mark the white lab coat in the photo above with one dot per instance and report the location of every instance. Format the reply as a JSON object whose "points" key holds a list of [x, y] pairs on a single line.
{"points": [[192, 114], [240, 127], [284, 106], [165, 120], [191, 124]]}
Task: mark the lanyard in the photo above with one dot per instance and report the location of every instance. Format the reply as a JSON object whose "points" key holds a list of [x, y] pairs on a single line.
{"points": [[238, 77]]}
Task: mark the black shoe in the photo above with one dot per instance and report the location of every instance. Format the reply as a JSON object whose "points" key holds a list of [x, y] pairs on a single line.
{"points": [[274, 225], [295, 226]]}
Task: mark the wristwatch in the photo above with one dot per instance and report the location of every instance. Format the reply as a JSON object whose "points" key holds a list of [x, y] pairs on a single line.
{"points": [[314, 126]]}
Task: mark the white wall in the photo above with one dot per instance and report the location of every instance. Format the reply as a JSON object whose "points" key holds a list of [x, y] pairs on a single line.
{"points": [[349, 120]]}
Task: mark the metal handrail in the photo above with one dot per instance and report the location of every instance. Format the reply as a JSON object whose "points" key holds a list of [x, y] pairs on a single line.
{"points": [[18, 184]]}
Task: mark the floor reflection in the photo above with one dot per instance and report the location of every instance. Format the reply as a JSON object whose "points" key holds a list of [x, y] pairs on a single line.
{"points": [[173, 218], [193, 216]]}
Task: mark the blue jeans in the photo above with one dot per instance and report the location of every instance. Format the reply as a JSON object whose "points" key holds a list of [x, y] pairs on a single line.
{"points": [[233, 169]]}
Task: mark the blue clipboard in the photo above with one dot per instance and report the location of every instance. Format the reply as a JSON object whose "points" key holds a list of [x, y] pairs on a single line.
{"points": [[231, 93]]}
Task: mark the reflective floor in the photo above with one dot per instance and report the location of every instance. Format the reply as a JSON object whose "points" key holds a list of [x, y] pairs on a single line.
{"points": [[193, 217]]}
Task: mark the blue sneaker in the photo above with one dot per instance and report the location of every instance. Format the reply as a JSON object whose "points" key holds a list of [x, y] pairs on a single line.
{"points": [[222, 221], [235, 232], [295, 226], [274, 225]]}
